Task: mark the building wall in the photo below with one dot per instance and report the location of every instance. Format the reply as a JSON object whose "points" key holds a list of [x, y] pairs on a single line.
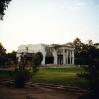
{"points": [[62, 55]]}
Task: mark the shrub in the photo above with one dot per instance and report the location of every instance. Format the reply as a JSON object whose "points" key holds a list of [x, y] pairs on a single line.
{"points": [[37, 61]]}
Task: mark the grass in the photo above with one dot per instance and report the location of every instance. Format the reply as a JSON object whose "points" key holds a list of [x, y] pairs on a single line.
{"points": [[60, 76]]}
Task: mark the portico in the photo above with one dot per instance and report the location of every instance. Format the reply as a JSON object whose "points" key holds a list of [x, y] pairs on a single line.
{"points": [[62, 55]]}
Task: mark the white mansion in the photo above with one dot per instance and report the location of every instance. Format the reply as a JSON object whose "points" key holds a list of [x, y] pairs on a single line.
{"points": [[52, 54]]}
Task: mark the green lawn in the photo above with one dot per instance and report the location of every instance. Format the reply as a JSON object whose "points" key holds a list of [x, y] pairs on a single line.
{"points": [[60, 76]]}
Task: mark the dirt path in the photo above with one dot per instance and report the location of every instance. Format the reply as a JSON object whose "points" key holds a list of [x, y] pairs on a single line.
{"points": [[38, 93]]}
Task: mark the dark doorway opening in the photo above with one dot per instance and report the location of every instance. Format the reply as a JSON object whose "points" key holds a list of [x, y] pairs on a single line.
{"points": [[49, 60]]}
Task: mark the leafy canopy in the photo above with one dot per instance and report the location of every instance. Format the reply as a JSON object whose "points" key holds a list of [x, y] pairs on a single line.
{"points": [[3, 7]]}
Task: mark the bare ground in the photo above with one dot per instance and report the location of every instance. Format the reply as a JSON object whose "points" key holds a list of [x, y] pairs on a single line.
{"points": [[36, 92]]}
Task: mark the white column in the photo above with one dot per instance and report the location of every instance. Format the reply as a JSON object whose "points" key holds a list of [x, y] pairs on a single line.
{"points": [[19, 57], [43, 61], [70, 57], [64, 57], [73, 57], [67, 57], [55, 56]]}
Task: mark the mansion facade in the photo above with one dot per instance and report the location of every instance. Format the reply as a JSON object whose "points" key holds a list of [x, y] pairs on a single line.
{"points": [[52, 54]]}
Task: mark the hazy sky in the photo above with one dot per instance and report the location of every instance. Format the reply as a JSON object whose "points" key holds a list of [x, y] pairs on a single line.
{"points": [[49, 21]]}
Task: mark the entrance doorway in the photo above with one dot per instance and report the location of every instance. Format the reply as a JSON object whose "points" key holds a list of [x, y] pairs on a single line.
{"points": [[49, 59]]}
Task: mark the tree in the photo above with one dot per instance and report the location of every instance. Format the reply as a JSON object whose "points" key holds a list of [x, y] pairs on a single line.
{"points": [[22, 74], [78, 45], [11, 58], [82, 51], [92, 74], [2, 50], [3, 7], [90, 57], [2, 55], [79, 52], [37, 59]]}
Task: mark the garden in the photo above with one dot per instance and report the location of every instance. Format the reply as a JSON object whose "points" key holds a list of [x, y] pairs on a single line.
{"points": [[66, 76]]}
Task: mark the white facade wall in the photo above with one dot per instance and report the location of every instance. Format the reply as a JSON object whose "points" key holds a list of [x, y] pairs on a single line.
{"points": [[42, 48], [32, 49]]}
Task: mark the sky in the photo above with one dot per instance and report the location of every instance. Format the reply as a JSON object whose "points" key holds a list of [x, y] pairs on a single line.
{"points": [[49, 21]]}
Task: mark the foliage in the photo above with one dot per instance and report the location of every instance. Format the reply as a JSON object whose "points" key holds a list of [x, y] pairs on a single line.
{"points": [[92, 72], [83, 51], [2, 55], [77, 45], [7, 59], [2, 50], [11, 58], [88, 54], [22, 74], [82, 57], [3, 6], [60, 76], [37, 59]]}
